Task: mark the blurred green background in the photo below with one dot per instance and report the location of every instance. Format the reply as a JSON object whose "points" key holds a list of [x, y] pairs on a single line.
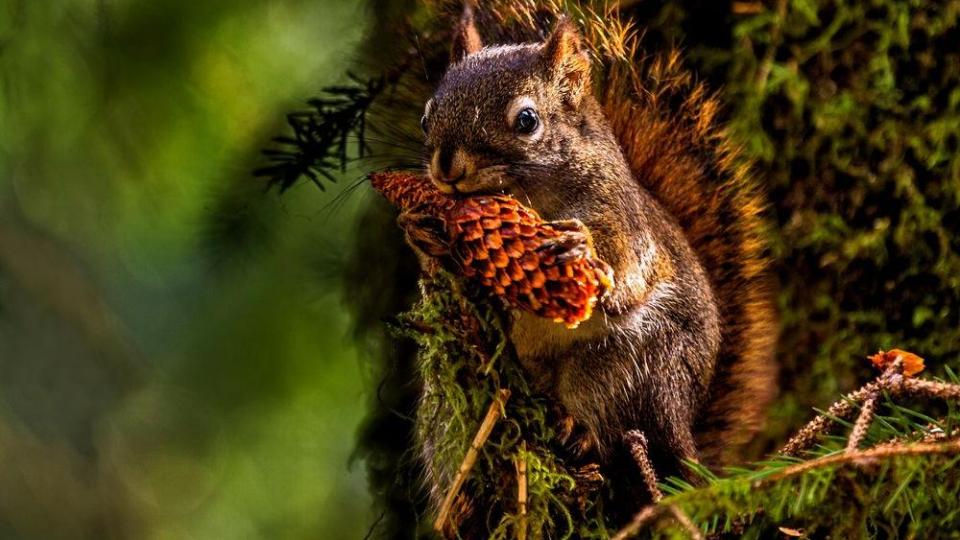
{"points": [[173, 359]]}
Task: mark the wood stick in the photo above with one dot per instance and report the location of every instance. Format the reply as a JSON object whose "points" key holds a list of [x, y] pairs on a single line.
{"points": [[486, 427], [522, 491]]}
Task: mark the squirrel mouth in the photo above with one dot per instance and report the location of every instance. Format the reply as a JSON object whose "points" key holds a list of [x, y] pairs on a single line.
{"points": [[448, 186], [489, 180]]}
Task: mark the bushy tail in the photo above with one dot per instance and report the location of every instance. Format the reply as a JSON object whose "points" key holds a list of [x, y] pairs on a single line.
{"points": [[666, 124]]}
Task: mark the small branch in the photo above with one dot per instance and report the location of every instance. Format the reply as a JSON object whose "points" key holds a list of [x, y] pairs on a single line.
{"points": [[637, 443], [823, 423], [766, 65], [522, 491], [859, 456], [650, 514], [483, 433], [863, 422], [640, 521], [892, 381], [931, 389]]}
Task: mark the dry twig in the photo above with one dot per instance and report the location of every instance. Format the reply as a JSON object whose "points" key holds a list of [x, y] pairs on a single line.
{"points": [[863, 421], [823, 423], [640, 521], [486, 427]]}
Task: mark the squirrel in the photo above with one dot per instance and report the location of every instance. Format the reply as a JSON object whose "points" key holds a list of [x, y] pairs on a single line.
{"points": [[682, 348]]}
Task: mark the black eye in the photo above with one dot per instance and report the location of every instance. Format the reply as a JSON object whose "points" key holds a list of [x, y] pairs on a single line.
{"points": [[527, 121], [423, 124]]}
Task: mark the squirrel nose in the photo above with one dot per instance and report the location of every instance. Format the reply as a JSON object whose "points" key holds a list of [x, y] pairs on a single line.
{"points": [[450, 165]]}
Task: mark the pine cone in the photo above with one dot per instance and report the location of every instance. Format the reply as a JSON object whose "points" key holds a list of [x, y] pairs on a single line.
{"points": [[547, 268]]}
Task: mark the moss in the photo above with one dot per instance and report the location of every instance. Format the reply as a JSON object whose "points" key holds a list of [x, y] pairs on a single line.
{"points": [[461, 380], [852, 112]]}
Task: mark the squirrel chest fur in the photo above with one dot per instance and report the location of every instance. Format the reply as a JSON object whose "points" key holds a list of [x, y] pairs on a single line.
{"points": [[660, 354]]}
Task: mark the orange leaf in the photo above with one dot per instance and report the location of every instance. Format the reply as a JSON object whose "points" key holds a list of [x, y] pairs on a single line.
{"points": [[912, 364]]}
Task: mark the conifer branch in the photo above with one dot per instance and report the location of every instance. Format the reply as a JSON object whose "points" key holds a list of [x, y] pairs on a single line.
{"points": [[897, 380], [318, 146], [821, 424]]}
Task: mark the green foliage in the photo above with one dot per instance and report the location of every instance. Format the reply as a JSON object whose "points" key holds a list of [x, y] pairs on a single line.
{"points": [[460, 382], [852, 110]]}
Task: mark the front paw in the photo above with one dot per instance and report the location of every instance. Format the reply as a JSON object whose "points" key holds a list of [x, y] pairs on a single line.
{"points": [[575, 438], [425, 232], [572, 243]]}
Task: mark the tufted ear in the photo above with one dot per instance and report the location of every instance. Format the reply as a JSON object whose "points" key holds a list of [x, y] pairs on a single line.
{"points": [[466, 39], [567, 62]]}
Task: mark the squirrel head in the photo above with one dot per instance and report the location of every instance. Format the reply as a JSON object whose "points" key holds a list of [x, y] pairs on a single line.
{"points": [[510, 117]]}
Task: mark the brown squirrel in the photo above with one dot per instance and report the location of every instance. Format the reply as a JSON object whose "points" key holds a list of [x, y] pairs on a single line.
{"points": [[682, 348]]}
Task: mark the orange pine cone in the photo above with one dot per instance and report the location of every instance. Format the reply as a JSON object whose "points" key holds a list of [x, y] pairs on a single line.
{"points": [[547, 268]]}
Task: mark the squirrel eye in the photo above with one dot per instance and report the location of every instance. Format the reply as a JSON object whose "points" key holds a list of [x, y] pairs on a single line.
{"points": [[527, 121], [423, 124]]}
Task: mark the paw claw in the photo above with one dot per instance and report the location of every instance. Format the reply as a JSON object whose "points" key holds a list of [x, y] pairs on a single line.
{"points": [[574, 242], [424, 232]]}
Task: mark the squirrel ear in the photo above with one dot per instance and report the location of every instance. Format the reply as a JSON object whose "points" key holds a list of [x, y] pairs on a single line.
{"points": [[566, 60], [466, 39]]}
